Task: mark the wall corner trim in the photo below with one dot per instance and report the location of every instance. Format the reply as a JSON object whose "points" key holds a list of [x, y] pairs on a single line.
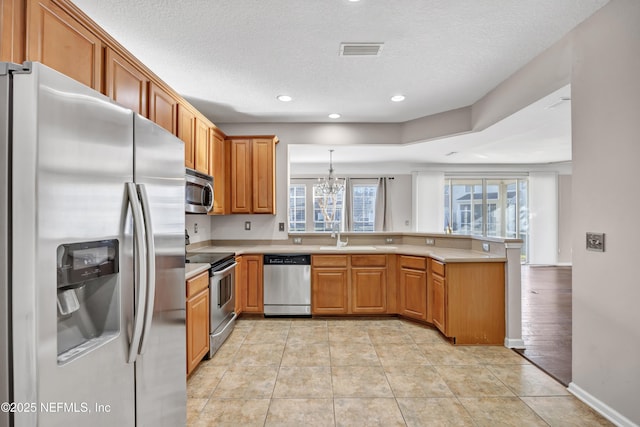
{"points": [[599, 406], [514, 343]]}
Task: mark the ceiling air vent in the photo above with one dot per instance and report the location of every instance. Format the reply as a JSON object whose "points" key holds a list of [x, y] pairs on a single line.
{"points": [[360, 49]]}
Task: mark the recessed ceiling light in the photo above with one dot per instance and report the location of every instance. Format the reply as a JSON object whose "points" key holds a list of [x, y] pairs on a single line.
{"points": [[353, 1], [284, 98], [397, 98], [334, 116]]}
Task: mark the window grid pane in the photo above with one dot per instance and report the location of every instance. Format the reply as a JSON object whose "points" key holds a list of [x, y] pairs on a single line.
{"points": [[297, 211], [327, 210], [364, 207], [488, 207]]}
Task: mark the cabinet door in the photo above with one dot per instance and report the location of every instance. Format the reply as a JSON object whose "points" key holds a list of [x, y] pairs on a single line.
{"points": [[202, 147], [125, 84], [197, 329], [186, 132], [218, 169], [12, 24], [240, 278], [329, 291], [413, 293], [253, 293], [369, 290], [439, 306], [241, 193], [263, 179], [62, 43], [162, 108]]}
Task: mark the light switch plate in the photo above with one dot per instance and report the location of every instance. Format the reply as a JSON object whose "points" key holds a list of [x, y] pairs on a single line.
{"points": [[485, 246], [247, 225], [595, 242], [281, 226]]}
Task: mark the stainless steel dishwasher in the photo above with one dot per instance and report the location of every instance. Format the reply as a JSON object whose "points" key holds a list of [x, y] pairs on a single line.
{"points": [[287, 285]]}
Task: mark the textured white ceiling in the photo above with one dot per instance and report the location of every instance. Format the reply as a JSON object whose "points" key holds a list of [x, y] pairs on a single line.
{"points": [[232, 58]]}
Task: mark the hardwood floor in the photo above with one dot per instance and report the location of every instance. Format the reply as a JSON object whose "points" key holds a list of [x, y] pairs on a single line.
{"points": [[546, 319]]}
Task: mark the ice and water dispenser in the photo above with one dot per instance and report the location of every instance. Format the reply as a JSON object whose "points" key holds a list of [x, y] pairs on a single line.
{"points": [[88, 289]]}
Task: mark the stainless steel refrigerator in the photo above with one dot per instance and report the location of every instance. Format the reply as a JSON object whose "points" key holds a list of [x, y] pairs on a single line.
{"points": [[92, 290]]}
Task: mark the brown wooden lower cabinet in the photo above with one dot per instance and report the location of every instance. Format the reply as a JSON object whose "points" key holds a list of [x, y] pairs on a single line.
{"points": [[468, 301], [329, 291], [349, 284], [439, 303], [369, 290], [197, 306], [249, 274], [413, 287]]}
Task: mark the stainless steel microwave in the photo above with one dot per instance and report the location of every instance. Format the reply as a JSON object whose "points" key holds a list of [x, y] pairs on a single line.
{"points": [[198, 192]]}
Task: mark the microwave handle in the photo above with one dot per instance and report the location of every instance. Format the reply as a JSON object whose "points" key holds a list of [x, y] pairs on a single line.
{"points": [[207, 193]]}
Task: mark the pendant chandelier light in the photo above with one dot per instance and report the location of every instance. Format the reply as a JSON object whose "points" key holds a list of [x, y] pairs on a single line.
{"points": [[330, 185]]}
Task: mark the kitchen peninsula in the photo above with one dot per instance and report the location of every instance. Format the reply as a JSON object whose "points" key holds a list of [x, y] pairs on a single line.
{"points": [[460, 284]]}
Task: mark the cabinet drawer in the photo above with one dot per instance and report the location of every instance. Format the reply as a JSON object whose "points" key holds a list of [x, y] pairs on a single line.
{"points": [[415, 262], [368, 260], [329, 260], [437, 267], [197, 284]]}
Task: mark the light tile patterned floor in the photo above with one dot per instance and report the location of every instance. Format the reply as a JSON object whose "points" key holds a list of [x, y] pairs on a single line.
{"points": [[382, 372]]}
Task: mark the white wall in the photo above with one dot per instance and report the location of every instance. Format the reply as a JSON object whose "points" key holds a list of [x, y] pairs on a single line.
{"points": [[606, 152], [543, 218], [428, 196], [564, 219], [203, 225]]}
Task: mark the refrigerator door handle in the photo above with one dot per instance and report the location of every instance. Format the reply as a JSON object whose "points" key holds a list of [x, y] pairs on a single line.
{"points": [[151, 267], [141, 271]]}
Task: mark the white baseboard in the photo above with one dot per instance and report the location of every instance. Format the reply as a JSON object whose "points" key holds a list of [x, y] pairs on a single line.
{"points": [[514, 342], [601, 407]]}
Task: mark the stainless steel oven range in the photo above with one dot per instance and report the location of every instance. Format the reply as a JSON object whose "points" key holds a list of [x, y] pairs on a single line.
{"points": [[222, 298]]}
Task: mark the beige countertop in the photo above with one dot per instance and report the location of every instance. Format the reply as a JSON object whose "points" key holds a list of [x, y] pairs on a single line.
{"points": [[193, 269], [441, 254]]}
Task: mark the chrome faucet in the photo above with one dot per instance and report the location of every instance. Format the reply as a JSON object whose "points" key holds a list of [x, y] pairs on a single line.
{"points": [[336, 235]]}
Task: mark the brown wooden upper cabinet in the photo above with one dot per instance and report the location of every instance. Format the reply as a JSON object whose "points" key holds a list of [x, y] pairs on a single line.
{"points": [[219, 170], [61, 42], [162, 108], [252, 174], [125, 83], [201, 146], [194, 131], [186, 132]]}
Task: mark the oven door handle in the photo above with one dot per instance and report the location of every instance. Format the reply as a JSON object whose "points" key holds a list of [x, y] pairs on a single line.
{"points": [[221, 272]]}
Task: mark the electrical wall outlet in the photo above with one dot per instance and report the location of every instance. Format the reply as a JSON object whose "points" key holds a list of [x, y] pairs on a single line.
{"points": [[389, 240], [297, 240], [485, 246], [281, 226], [195, 228], [247, 225], [430, 242], [595, 242]]}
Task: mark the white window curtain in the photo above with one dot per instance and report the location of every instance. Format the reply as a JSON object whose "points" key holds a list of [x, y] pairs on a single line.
{"points": [[347, 217], [383, 212]]}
